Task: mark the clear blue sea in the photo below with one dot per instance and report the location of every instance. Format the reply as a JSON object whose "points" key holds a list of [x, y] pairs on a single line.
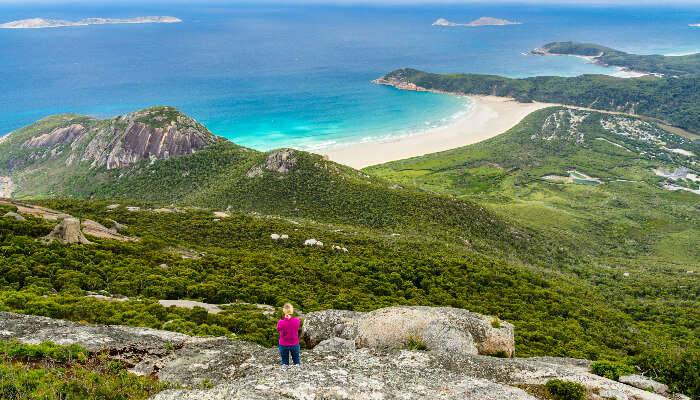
{"points": [[272, 76]]}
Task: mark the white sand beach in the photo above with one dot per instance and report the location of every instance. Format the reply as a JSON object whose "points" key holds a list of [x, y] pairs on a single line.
{"points": [[490, 117]]}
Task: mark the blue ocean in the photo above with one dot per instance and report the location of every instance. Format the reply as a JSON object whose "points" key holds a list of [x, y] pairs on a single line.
{"points": [[267, 76]]}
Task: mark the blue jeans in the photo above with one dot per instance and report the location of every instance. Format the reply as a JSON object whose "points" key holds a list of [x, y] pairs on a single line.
{"points": [[284, 353]]}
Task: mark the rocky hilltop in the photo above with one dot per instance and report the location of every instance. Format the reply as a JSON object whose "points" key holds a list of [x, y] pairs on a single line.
{"points": [[243, 370], [65, 144]]}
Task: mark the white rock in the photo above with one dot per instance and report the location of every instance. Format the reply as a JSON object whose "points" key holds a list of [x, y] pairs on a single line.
{"points": [[274, 236], [644, 383], [626, 274], [313, 242], [284, 237]]}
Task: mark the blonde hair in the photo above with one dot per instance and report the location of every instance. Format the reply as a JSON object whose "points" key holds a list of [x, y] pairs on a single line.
{"points": [[288, 309]]}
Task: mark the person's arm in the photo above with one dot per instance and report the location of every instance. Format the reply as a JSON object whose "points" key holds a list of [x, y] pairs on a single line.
{"points": [[278, 325]]}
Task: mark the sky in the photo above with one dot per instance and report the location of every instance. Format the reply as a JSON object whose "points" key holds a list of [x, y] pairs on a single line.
{"points": [[371, 2]]}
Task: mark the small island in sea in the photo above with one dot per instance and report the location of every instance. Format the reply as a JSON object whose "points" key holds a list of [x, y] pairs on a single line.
{"points": [[483, 21], [36, 23], [693, 24]]}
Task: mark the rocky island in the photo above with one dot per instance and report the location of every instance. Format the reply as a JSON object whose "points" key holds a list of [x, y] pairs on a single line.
{"points": [[37, 23], [483, 21]]}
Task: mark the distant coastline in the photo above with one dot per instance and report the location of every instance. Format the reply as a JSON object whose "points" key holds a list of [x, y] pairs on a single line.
{"points": [[622, 72], [39, 23], [693, 24], [483, 21]]}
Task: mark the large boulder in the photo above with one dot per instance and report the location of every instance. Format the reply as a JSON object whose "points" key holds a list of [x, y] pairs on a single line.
{"points": [[442, 329], [67, 231], [320, 325]]}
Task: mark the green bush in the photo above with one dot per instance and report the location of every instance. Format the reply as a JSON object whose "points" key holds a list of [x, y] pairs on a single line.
{"points": [[611, 369], [51, 372], [679, 368], [562, 390], [415, 343], [496, 323]]}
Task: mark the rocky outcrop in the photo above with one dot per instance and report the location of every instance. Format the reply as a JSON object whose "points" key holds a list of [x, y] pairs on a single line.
{"points": [[281, 161], [67, 231], [94, 228], [15, 216], [644, 383], [242, 370], [35, 211], [152, 134], [65, 135], [441, 329], [159, 133]]}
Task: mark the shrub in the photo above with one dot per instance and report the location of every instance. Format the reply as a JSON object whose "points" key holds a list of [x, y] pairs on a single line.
{"points": [[611, 369], [495, 322], [415, 343], [562, 390]]}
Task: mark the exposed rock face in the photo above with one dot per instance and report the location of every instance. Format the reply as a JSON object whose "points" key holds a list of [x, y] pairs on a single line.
{"points": [[67, 231], [244, 370], [644, 383], [281, 161], [128, 140], [320, 325], [442, 329], [151, 134], [66, 135]]}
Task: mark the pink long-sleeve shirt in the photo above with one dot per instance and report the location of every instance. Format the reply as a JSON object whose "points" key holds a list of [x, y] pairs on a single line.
{"points": [[289, 331]]}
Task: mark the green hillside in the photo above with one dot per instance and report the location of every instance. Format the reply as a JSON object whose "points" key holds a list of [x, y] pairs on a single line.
{"points": [[587, 311], [560, 226], [536, 174]]}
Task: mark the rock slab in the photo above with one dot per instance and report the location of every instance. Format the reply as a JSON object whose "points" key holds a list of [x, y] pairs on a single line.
{"points": [[441, 329]]}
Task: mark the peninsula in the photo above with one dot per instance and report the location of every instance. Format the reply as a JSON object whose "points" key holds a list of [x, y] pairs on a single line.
{"points": [[633, 64], [483, 21], [37, 23]]}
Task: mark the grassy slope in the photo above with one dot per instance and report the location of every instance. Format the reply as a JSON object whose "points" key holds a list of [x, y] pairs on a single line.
{"points": [[627, 217]]}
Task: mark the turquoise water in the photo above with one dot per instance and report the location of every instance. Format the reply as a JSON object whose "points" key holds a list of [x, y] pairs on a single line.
{"points": [[272, 76]]}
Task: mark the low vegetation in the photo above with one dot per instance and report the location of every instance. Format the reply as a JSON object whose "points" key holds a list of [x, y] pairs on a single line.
{"points": [[51, 372], [562, 390]]}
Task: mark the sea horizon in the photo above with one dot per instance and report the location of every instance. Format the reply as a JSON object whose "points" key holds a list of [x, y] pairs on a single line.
{"points": [[275, 76]]}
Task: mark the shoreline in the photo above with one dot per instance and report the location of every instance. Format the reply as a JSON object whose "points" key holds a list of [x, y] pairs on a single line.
{"points": [[490, 117]]}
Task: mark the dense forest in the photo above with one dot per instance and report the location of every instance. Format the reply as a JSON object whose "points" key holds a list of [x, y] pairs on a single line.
{"points": [[675, 100]]}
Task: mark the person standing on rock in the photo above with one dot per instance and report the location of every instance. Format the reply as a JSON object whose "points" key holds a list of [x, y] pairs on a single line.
{"points": [[289, 335]]}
